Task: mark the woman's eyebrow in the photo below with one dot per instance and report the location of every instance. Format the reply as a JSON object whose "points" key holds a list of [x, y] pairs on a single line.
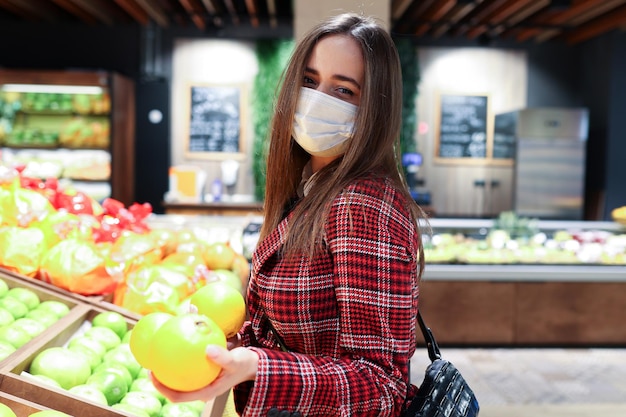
{"points": [[335, 76]]}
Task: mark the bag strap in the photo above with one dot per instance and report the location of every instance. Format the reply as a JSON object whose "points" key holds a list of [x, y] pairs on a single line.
{"points": [[431, 343]]}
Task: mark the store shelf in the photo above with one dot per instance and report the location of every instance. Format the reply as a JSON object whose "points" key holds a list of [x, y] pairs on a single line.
{"points": [[526, 273]]}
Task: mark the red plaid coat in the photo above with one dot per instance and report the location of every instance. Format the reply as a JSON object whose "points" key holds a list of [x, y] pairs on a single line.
{"points": [[347, 316]]}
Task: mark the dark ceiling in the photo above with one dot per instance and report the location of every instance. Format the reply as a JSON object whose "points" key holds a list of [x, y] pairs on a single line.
{"points": [[569, 21]]}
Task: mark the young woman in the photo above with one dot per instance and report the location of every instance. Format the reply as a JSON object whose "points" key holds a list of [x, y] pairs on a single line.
{"points": [[333, 292]]}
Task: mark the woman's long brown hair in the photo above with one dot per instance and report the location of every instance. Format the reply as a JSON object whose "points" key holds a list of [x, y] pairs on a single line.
{"points": [[374, 148]]}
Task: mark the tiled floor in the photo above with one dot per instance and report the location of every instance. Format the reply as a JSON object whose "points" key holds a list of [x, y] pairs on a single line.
{"points": [[540, 382]]}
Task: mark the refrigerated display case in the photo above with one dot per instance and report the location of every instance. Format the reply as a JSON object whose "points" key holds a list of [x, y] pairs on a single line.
{"points": [[550, 154], [77, 126], [495, 285]]}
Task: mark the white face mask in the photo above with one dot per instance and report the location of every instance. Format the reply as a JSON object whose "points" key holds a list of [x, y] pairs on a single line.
{"points": [[322, 123]]}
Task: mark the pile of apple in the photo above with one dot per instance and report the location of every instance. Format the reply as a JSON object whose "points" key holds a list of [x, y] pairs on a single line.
{"points": [[63, 237], [23, 316], [514, 239], [96, 364]]}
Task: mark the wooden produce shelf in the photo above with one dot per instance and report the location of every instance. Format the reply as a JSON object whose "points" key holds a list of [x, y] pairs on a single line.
{"points": [[20, 406], [13, 383], [215, 208], [512, 305], [100, 301]]}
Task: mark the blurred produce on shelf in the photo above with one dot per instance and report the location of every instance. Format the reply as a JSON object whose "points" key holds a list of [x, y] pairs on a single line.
{"points": [[72, 125], [619, 215], [79, 164], [510, 239], [65, 238], [54, 119]]}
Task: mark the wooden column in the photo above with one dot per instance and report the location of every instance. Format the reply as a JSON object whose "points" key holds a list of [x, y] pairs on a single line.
{"points": [[307, 13]]}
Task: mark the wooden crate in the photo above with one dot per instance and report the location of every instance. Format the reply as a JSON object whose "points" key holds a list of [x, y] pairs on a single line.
{"points": [[13, 383], [101, 301], [20, 406], [44, 295]]}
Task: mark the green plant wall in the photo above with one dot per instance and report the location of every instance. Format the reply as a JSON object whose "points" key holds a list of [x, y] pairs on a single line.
{"points": [[272, 56], [410, 81]]}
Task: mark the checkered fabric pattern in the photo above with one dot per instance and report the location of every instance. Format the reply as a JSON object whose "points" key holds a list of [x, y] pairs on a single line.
{"points": [[347, 316]]}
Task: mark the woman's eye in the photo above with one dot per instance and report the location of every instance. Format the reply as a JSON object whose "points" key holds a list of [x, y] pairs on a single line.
{"points": [[345, 91], [308, 81]]}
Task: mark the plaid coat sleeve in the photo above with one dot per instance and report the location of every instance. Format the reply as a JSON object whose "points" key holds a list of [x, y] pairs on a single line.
{"points": [[347, 316]]}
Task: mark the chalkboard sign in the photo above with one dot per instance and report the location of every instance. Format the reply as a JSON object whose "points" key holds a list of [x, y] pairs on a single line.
{"points": [[504, 136], [215, 119], [462, 126]]}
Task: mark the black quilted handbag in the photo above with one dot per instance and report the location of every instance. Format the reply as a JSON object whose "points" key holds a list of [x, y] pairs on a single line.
{"points": [[444, 392]]}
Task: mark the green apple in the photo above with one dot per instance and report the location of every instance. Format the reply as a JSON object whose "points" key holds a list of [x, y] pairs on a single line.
{"points": [[30, 326], [49, 413], [14, 306], [46, 380], [198, 405], [230, 278], [5, 317], [47, 318], [145, 401], [113, 320], [122, 355], [4, 288], [92, 357], [14, 335], [62, 365], [104, 335], [146, 385], [143, 373], [179, 410], [5, 410], [57, 307], [113, 386], [126, 338], [117, 368], [130, 409], [6, 349], [90, 343], [89, 392], [25, 295]]}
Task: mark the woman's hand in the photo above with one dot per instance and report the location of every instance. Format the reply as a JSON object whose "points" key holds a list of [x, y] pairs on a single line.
{"points": [[233, 342], [238, 365]]}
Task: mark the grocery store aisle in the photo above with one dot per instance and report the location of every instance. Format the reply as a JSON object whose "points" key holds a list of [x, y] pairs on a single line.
{"points": [[540, 382]]}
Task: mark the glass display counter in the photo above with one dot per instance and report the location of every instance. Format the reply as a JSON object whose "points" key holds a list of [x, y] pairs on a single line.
{"points": [[570, 299]]}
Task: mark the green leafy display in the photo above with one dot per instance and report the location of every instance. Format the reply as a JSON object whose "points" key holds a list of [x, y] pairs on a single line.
{"points": [[272, 57]]}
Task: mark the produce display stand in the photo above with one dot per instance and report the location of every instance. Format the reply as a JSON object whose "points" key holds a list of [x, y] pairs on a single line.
{"points": [[101, 301], [20, 406], [32, 395]]}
